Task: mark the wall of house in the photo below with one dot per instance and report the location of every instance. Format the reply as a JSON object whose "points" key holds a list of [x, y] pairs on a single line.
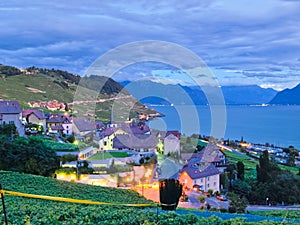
{"points": [[67, 128], [210, 182], [32, 118], [186, 180], [171, 144], [106, 143], [15, 119]]}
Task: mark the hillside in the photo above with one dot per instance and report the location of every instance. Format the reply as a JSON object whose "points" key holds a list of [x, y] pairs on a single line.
{"points": [[37, 211], [287, 97], [21, 210], [42, 85]]}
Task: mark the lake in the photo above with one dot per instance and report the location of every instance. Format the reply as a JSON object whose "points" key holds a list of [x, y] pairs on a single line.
{"points": [[278, 125]]}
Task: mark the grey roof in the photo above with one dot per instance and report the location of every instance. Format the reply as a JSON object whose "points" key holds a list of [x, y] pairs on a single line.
{"points": [[40, 115], [83, 124], [132, 129], [196, 173], [142, 141], [58, 118], [9, 107], [207, 154]]}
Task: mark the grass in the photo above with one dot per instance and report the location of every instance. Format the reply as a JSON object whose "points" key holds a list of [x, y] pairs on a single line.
{"points": [[293, 214], [17, 88], [250, 163], [108, 155]]}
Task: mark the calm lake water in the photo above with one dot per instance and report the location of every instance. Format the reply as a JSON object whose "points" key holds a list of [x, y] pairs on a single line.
{"points": [[278, 125]]}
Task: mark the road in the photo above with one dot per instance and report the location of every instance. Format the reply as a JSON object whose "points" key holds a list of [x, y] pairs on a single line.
{"points": [[193, 201]]}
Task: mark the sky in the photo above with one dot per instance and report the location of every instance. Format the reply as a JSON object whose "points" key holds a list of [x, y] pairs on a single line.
{"points": [[243, 42]]}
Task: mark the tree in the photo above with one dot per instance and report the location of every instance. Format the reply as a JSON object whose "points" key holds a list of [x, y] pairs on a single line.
{"points": [[263, 167], [71, 138], [237, 204], [28, 155], [241, 188], [68, 158], [8, 130], [170, 191], [292, 152], [240, 170], [231, 173]]}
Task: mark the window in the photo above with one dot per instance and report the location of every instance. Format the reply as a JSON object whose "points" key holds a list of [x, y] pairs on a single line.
{"points": [[201, 180], [207, 178], [208, 185], [215, 184], [105, 143], [11, 122]]}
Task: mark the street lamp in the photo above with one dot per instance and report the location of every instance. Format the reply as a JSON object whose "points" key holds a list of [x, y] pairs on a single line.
{"points": [[267, 201]]}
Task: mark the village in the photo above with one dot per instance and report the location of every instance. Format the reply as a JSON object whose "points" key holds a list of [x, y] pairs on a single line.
{"points": [[130, 155]]}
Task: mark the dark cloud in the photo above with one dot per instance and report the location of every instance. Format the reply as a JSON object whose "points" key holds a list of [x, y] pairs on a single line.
{"points": [[263, 37]]}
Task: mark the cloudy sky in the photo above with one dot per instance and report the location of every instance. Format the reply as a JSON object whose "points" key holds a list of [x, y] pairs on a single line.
{"points": [[242, 41]]}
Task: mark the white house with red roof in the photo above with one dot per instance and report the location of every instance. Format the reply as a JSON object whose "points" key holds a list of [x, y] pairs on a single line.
{"points": [[10, 113]]}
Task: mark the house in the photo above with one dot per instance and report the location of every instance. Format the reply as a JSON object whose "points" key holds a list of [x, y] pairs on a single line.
{"points": [[210, 154], [171, 144], [83, 127], [10, 113], [59, 123], [106, 136], [207, 176], [33, 116], [141, 142]]}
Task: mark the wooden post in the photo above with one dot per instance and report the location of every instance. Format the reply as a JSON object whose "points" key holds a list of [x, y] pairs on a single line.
{"points": [[3, 205]]}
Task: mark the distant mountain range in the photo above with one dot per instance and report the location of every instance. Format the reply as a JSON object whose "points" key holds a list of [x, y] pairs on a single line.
{"points": [[287, 97], [158, 93]]}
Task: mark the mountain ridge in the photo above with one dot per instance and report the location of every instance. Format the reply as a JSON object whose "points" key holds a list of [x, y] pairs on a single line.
{"points": [[289, 96], [233, 95]]}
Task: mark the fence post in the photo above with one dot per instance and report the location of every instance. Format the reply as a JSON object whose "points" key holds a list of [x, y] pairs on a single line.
{"points": [[3, 205]]}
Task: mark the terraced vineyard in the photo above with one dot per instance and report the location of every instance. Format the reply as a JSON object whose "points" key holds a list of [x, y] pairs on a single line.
{"points": [[28, 211]]}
